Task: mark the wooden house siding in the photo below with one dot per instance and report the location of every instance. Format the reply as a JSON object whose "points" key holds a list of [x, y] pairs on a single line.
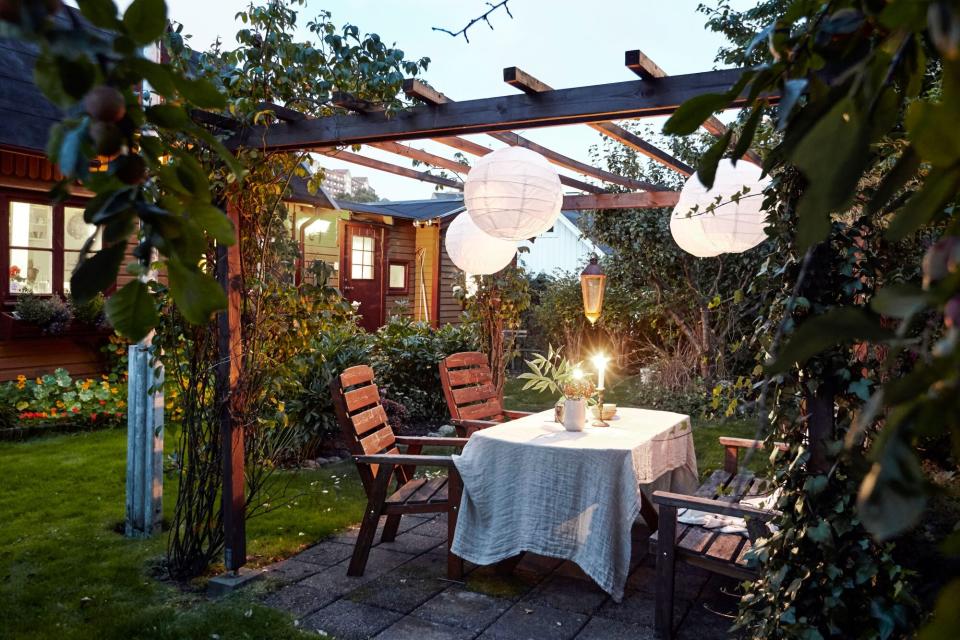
{"points": [[450, 309], [34, 357], [401, 248], [423, 273]]}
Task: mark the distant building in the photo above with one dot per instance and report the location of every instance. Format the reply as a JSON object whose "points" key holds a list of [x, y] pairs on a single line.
{"points": [[359, 184], [338, 181]]}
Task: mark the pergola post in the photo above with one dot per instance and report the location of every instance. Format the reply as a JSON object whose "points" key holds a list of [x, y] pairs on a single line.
{"points": [[230, 343], [144, 505]]}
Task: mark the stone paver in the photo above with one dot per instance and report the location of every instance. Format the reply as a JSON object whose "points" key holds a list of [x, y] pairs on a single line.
{"points": [[462, 608], [404, 594], [346, 620], [606, 629], [411, 628], [526, 621]]}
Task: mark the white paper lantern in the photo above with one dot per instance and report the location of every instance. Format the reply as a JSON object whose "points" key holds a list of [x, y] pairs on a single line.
{"points": [[733, 227], [513, 194], [474, 251]]}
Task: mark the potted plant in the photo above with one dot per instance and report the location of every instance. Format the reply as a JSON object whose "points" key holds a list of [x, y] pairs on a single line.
{"points": [[549, 373], [576, 393]]}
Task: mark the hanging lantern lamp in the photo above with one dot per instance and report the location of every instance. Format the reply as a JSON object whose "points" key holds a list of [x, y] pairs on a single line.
{"points": [[513, 194], [592, 283], [732, 227], [474, 251]]}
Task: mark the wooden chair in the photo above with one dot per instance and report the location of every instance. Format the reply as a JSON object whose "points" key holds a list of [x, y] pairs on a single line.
{"points": [[471, 398], [371, 440], [722, 553]]}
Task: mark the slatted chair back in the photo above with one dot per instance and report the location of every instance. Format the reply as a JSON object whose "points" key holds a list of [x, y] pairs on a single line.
{"points": [[362, 419], [468, 387]]}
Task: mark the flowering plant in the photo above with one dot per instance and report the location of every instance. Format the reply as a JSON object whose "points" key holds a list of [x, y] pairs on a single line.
{"points": [[578, 389], [57, 396]]}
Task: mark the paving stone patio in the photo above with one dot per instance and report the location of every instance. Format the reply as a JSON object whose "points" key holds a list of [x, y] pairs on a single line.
{"points": [[405, 594]]}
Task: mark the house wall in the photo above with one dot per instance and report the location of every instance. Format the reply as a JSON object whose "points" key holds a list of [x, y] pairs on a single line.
{"points": [[562, 249], [401, 249], [450, 308], [424, 266]]}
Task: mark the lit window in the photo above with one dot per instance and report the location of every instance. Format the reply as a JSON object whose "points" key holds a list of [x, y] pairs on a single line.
{"points": [[75, 234], [31, 248], [361, 258], [398, 276]]}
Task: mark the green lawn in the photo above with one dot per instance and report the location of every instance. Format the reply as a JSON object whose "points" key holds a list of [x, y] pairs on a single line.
{"points": [[66, 573]]}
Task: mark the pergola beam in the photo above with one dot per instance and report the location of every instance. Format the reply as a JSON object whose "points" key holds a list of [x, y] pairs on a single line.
{"points": [[373, 163], [597, 103], [416, 89], [348, 101], [637, 200], [525, 82], [647, 69]]}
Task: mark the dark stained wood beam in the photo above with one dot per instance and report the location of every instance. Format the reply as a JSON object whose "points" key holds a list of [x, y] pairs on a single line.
{"points": [[641, 200], [422, 156], [528, 84], [283, 113], [428, 95], [380, 165], [351, 102], [597, 103], [648, 70]]}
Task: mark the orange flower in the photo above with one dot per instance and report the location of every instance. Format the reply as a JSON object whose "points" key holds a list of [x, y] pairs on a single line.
{"points": [[38, 381]]}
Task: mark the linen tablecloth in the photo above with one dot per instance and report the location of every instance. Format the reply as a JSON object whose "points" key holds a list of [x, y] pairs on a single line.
{"points": [[530, 485]]}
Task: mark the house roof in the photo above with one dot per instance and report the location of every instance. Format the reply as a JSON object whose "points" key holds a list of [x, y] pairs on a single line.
{"points": [[408, 209], [574, 218], [301, 194], [25, 113]]}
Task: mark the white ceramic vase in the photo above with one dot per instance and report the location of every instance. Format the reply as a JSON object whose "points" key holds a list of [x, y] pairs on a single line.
{"points": [[574, 415]]}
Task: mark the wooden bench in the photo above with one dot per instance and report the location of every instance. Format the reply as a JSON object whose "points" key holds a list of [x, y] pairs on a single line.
{"points": [[375, 449], [471, 398], [723, 553]]}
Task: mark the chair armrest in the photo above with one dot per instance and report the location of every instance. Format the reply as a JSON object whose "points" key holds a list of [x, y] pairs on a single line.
{"points": [[397, 459], [428, 441], [745, 443], [681, 501], [466, 427], [513, 415], [732, 446]]}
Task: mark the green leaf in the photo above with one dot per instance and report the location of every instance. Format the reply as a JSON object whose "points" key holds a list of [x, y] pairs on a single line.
{"points": [[168, 116], [933, 131], [792, 90], [841, 324], [905, 168], [745, 135], [46, 75], [145, 20], [214, 221], [201, 92], [707, 169], [100, 13], [229, 158], [71, 158], [197, 294], [694, 112], [131, 311], [820, 534], [939, 189], [892, 495], [159, 76], [832, 156], [97, 273], [899, 300]]}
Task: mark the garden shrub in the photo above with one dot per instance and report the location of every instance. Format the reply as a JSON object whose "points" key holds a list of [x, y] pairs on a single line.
{"points": [[90, 312], [59, 397], [51, 314], [406, 358]]}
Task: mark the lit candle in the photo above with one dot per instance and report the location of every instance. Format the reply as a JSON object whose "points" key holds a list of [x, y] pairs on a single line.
{"points": [[600, 362]]}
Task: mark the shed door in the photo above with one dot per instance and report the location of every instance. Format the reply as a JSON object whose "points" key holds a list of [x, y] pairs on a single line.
{"points": [[361, 272]]}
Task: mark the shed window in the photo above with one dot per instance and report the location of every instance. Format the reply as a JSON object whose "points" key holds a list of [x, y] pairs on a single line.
{"points": [[361, 258], [43, 245], [398, 276]]}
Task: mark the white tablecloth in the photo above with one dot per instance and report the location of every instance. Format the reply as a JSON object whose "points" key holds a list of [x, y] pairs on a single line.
{"points": [[530, 485]]}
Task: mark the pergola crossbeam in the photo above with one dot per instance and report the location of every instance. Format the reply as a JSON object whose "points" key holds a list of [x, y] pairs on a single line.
{"points": [[416, 89], [647, 69], [380, 165], [528, 84], [636, 200], [597, 103]]}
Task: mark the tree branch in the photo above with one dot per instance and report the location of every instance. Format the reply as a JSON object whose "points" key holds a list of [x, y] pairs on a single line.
{"points": [[485, 18]]}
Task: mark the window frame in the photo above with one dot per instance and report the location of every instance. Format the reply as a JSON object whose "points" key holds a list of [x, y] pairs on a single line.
{"points": [[9, 196], [405, 289]]}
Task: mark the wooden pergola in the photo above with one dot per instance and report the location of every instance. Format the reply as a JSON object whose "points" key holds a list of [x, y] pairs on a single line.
{"points": [[443, 120]]}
